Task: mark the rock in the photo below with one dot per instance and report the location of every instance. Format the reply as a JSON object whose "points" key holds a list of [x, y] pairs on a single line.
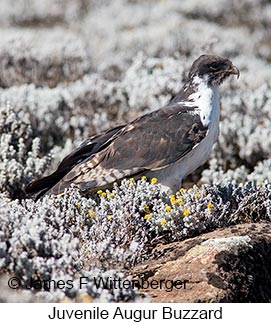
{"points": [[227, 265]]}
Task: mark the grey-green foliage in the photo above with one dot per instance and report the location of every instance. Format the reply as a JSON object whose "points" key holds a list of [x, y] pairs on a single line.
{"points": [[46, 57], [132, 218], [69, 236], [45, 13], [79, 67], [20, 158], [41, 242]]}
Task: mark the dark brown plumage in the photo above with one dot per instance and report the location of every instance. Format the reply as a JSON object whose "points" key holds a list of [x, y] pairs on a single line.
{"points": [[148, 145]]}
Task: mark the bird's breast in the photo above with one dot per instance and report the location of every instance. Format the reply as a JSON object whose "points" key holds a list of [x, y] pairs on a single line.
{"points": [[207, 101]]}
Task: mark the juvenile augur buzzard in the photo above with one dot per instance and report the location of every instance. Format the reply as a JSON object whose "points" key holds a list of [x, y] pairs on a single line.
{"points": [[168, 143]]}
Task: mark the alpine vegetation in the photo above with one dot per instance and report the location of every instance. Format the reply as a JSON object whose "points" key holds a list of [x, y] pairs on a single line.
{"points": [[20, 157], [78, 68]]}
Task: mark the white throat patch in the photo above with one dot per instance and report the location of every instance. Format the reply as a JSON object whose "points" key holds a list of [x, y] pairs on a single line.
{"points": [[206, 99]]}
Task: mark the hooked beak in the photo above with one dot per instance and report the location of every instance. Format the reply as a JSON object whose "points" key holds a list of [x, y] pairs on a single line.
{"points": [[233, 70]]}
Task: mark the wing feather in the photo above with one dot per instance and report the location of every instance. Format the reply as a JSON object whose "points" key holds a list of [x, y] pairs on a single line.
{"points": [[151, 142], [87, 149]]}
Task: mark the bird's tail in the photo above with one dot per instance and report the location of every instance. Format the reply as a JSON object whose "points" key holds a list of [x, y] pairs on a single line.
{"points": [[40, 187]]}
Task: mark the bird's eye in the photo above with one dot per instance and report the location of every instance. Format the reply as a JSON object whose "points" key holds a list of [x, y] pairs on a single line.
{"points": [[214, 66]]}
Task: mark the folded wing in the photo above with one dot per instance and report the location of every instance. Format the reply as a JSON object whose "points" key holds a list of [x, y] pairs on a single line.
{"points": [[149, 143]]}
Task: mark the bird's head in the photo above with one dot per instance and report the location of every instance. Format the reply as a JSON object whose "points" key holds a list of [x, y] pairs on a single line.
{"points": [[213, 69]]}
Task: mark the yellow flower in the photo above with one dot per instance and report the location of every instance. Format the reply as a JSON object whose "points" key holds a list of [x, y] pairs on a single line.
{"points": [[186, 211], [78, 204], [210, 206], [146, 208], [163, 222], [196, 195], [179, 201], [168, 208], [147, 216], [173, 202], [260, 183], [111, 195], [132, 179], [132, 184], [99, 192], [103, 194], [144, 178], [190, 189], [110, 217], [115, 184], [154, 180], [182, 189], [91, 213]]}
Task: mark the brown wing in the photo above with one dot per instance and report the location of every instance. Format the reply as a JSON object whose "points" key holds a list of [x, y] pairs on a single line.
{"points": [[85, 150], [151, 142]]}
